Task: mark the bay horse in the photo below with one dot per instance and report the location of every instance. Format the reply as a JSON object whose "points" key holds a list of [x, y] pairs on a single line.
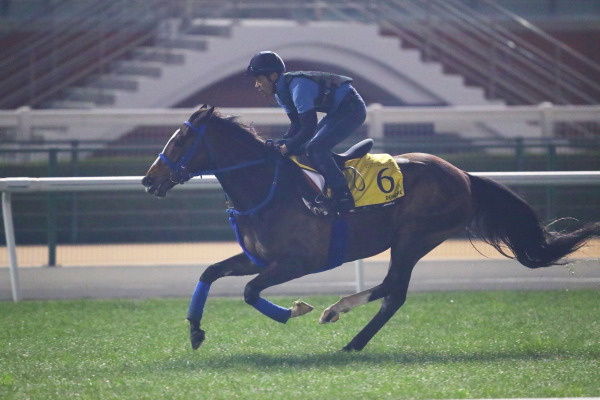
{"points": [[283, 240]]}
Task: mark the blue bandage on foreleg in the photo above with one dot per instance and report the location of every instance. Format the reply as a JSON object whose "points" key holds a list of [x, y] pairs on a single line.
{"points": [[198, 300], [273, 311]]}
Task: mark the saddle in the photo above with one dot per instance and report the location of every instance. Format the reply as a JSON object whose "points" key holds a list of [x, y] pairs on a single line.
{"points": [[359, 150], [374, 179]]}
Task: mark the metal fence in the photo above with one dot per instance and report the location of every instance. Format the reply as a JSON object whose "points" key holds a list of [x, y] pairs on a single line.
{"points": [[9, 187]]}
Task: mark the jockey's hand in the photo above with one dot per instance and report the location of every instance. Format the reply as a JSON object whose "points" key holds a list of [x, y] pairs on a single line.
{"points": [[283, 149]]}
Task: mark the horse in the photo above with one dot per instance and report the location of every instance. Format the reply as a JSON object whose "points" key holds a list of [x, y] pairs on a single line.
{"points": [[283, 240]]}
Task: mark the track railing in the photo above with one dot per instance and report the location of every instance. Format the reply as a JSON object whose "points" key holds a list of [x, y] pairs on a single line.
{"points": [[8, 186]]}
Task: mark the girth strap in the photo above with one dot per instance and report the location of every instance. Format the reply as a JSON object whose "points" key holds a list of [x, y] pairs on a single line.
{"points": [[256, 260], [337, 244]]}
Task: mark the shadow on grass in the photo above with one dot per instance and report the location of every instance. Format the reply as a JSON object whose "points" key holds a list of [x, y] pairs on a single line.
{"points": [[262, 361]]}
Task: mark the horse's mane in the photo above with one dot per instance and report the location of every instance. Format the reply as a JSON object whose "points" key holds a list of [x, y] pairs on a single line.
{"points": [[232, 122]]}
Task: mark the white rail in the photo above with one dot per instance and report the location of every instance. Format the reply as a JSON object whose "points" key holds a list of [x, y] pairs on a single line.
{"points": [[8, 186], [543, 116]]}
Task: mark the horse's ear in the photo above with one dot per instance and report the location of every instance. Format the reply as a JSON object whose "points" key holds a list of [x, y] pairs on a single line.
{"points": [[209, 112]]}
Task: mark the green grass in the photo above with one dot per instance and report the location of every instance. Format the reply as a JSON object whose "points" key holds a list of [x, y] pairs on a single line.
{"points": [[439, 345]]}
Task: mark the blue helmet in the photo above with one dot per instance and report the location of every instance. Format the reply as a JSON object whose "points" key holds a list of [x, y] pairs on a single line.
{"points": [[264, 63]]}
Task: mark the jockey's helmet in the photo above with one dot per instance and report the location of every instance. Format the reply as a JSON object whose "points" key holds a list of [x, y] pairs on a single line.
{"points": [[264, 63]]}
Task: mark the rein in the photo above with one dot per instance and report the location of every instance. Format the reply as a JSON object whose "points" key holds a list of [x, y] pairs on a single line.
{"points": [[180, 172], [180, 168]]}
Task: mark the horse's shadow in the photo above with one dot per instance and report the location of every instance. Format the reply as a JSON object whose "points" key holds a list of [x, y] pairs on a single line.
{"points": [[263, 361]]}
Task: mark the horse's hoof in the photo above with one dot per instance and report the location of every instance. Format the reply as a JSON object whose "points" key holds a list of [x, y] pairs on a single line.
{"points": [[349, 347], [196, 338], [300, 308], [329, 316]]}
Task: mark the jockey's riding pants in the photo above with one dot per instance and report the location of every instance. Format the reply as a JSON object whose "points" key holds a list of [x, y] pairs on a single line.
{"points": [[331, 130]]}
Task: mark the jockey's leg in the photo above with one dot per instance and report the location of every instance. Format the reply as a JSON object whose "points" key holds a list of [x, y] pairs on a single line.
{"points": [[323, 160], [332, 129]]}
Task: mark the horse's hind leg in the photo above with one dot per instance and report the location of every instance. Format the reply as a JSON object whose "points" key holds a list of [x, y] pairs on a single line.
{"points": [[394, 287], [395, 298], [345, 304], [398, 273], [234, 266]]}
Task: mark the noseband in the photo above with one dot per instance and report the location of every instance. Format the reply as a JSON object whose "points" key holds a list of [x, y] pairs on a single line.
{"points": [[179, 170]]}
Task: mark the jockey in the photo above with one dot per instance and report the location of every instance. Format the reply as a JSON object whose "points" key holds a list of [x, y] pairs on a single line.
{"points": [[302, 94]]}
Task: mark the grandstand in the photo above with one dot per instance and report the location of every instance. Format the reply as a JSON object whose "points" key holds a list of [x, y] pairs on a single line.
{"points": [[81, 54]]}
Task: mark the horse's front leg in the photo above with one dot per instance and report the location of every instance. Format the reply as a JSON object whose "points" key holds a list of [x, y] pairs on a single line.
{"points": [[235, 266], [276, 273]]}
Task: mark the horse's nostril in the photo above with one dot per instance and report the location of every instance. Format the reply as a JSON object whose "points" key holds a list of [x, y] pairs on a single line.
{"points": [[147, 181]]}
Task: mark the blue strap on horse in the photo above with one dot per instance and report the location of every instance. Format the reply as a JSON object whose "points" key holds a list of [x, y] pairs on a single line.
{"points": [[233, 213], [337, 244], [256, 260], [339, 229]]}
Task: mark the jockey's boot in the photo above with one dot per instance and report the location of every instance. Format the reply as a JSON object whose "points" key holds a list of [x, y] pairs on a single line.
{"points": [[342, 199]]}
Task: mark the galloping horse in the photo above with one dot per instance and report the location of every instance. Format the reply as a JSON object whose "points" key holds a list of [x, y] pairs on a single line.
{"points": [[283, 240]]}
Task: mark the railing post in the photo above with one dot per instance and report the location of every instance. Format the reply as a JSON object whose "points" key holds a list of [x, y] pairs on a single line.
{"points": [[551, 190], [358, 269], [24, 129], [9, 232], [74, 204], [519, 154], [376, 125], [546, 119], [51, 204]]}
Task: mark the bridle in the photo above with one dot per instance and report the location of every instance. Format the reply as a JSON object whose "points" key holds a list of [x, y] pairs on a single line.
{"points": [[180, 171]]}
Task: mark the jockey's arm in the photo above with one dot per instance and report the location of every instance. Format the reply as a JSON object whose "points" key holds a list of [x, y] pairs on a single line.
{"points": [[294, 125], [308, 126]]}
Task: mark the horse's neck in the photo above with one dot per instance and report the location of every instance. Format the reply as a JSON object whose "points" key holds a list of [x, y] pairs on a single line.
{"points": [[247, 187]]}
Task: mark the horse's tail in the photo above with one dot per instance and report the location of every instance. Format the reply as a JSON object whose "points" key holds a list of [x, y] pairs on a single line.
{"points": [[502, 217]]}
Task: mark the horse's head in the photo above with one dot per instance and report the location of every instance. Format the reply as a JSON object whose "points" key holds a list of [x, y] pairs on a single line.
{"points": [[182, 156]]}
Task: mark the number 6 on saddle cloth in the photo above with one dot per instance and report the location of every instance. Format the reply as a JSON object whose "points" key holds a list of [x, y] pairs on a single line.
{"points": [[374, 179]]}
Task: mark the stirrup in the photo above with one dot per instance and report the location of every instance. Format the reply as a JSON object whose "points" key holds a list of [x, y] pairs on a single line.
{"points": [[343, 200]]}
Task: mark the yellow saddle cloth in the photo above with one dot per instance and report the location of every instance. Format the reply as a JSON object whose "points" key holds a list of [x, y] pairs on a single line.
{"points": [[374, 179]]}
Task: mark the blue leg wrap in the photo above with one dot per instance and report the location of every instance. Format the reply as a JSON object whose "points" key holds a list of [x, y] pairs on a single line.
{"points": [[273, 311], [198, 300]]}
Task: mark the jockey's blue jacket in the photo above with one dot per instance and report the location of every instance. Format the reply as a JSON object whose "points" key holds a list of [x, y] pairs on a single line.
{"points": [[302, 92]]}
